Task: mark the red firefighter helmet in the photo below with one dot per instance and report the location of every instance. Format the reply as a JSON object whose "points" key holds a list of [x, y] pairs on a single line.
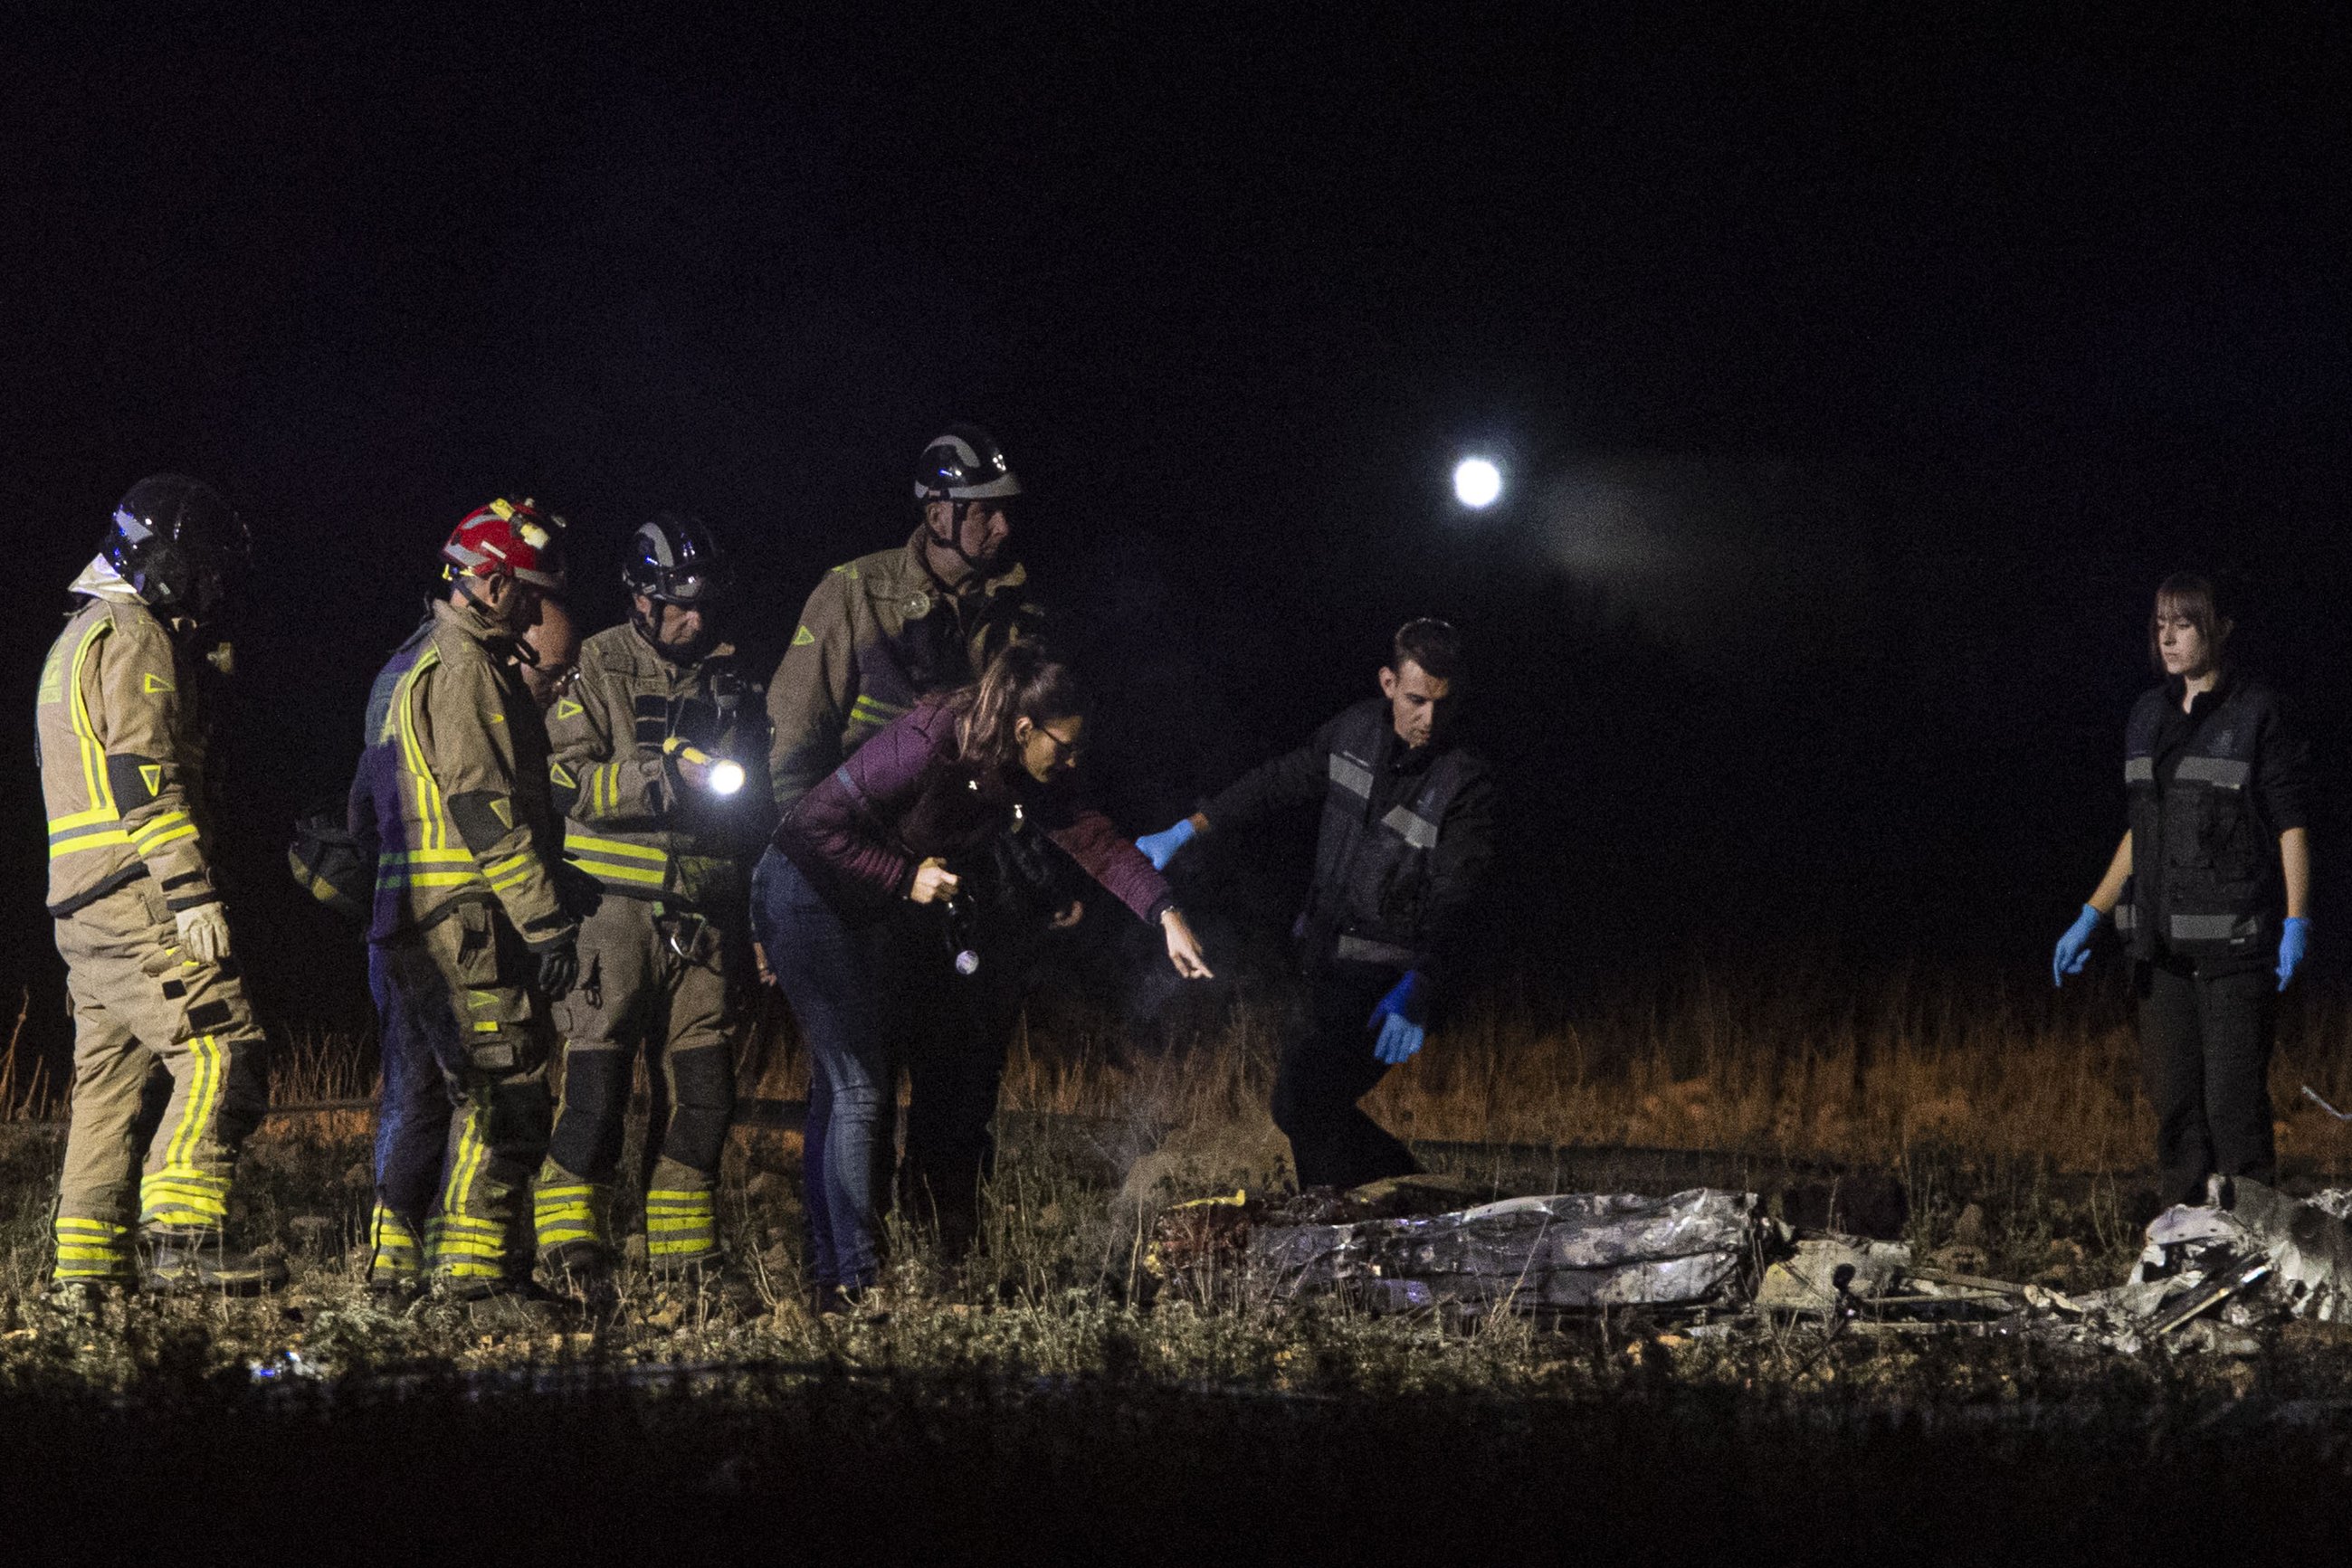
{"points": [[509, 538]]}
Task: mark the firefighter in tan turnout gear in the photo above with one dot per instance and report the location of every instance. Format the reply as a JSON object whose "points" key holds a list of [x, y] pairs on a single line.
{"points": [[885, 629], [139, 920], [471, 935], [660, 763]]}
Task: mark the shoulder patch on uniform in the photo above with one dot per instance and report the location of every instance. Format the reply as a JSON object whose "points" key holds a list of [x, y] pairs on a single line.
{"points": [[567, 707], [804, 637], [151, 775], [152, 682]]}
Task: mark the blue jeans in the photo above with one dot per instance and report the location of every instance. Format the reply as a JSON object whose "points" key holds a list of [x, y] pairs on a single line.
{"points": [[412, 1124], [826, 972]]}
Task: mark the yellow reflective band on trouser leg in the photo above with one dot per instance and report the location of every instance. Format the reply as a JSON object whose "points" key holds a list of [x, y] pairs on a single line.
{"points": [[563, 1208], [92, 1249], [183, 1198], [468, 1245], [394, 1253], [680, 1223], [184, 1194]]}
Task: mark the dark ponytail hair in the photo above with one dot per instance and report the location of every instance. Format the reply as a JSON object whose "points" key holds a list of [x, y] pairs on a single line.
{"points": [[1024, 680]]}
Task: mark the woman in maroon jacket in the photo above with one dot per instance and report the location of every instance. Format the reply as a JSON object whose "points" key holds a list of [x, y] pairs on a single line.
{"points": [[857, 920]]}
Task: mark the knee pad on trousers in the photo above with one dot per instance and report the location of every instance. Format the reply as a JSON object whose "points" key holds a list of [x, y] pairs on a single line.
{"points": [[588, 1131], [703, 1086]]}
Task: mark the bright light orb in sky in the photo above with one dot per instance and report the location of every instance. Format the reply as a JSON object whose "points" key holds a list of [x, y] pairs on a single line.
{"points": [[1477, 484]]}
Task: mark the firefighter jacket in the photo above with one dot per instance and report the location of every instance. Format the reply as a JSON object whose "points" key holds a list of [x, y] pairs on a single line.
{"points": [[630, 821], [121, 759], [1406, 842], [453, 787], [2209, 793], [877, 634]]}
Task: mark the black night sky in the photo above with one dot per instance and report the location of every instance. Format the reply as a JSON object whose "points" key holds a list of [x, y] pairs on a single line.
{"points": [[1858, 375]]}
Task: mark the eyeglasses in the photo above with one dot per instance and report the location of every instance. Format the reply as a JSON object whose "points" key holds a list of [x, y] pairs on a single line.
{"points": [[1072, 750]]}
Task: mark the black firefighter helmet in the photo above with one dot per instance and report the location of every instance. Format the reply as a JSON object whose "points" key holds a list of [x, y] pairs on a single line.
{"points": [[178, 543], [673, 560]]}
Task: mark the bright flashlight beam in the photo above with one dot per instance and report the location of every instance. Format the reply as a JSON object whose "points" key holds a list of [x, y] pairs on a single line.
{"points": [[726, 778], [1477, 482]]}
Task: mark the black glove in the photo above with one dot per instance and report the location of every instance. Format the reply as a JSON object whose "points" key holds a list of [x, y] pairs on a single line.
{"points": [[559, 964]]}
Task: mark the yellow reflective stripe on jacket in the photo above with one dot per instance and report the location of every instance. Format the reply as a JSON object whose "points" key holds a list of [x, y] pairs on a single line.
{"points": [[94, 827], [437, 846], [411, 868], [615, 860], [154, 834], [872, 710]]}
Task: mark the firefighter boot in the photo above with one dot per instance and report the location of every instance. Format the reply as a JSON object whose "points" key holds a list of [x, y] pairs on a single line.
{"points": [[179, 1261], [395, 1259], [572, 1257]]}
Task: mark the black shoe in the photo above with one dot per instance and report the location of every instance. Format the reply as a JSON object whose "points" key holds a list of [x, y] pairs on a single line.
{"points": [[582, 1271], [188, 1262], [502, 1304], [708, 1278], [393, 1292], [83, 1298]]}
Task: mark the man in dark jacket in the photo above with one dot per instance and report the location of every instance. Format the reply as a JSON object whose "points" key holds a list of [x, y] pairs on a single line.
{"points": [[1407, 840]]}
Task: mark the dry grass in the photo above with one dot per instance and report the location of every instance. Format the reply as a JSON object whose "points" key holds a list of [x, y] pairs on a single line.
{"points": [[1804, 1067], [1801, 1065]]}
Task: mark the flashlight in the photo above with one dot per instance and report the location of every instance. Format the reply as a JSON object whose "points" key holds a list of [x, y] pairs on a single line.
{"points": [[1477, 482], [722, 777]]}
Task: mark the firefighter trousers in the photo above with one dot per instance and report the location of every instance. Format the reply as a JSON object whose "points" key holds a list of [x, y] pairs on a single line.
{"points": [[139, 1002], [656, 979], [463, 988]]}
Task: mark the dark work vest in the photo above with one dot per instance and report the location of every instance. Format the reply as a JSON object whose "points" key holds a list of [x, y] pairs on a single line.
{"points": [[2203, 860], [1371, 878]]}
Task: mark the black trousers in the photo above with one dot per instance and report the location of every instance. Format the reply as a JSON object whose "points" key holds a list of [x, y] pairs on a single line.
{"points": [[2205, 1057], [951, 1032], [1327, 1066]]}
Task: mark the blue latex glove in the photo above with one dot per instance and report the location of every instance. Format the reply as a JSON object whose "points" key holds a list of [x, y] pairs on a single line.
{"points": [[1398, 1017], [2074, 948], [1400, 1038], [2293, 940], [1404, 1000], [1161, 848]]}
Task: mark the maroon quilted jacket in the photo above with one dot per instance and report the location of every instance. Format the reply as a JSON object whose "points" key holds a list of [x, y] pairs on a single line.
{"points": [[904, 798]]}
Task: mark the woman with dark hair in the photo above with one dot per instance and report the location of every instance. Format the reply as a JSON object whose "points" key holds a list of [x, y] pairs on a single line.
{"points": [[880, 888], [2208, 890]]}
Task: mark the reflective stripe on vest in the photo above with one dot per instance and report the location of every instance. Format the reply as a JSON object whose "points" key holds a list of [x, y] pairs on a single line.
{"points": [[2214, 927], [1352, 775], [1418, 832], [2140, 770], [1353, 949], [2220, 772]]}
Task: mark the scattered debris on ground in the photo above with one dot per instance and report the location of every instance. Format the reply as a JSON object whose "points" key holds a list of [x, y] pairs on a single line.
{"points": [[2216, 1277]]}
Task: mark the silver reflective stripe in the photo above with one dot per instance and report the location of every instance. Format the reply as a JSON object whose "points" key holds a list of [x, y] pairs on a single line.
{"points": [[1360, 950], [2210, 927], [1352, 775], [2140, 770], [1418, 832], [2222, 772], [2126, 917]]}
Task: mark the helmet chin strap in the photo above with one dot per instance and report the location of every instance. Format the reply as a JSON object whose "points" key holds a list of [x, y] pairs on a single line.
{"points": [[954, 541], [649, 627], [489, 616]]}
